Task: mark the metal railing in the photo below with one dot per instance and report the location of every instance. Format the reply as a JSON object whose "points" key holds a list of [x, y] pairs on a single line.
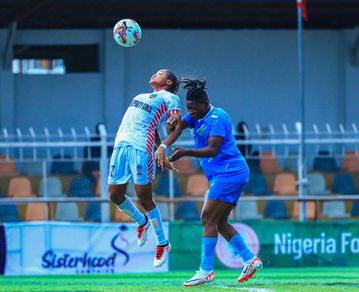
{"points": [[20, 147]]}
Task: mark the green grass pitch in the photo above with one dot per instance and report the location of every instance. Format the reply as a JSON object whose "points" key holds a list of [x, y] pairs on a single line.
{"points": [[270, 279]]}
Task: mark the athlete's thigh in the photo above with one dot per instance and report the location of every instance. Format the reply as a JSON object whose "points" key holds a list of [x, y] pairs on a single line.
{"points": [[215, 209], [119, 172], [142, 167]]}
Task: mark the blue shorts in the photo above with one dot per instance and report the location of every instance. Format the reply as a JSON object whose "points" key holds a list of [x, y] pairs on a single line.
{"points": [[227, 191], [127, 162]]}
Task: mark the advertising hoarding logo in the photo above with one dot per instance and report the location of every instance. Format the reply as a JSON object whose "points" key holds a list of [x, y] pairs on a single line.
{"points": [[228, 256], [87, 262]]}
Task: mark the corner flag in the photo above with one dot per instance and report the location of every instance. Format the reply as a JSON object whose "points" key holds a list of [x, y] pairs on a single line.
{"points": [[303, 8]]}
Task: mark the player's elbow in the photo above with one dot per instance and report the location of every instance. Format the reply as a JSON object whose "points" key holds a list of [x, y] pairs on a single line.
{"points": [[212, 151]]}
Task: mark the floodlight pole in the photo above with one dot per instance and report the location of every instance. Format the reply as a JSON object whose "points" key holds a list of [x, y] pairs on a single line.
{"points": [[302, 165]]}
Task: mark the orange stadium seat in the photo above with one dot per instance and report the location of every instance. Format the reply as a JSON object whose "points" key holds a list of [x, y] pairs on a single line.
{"points": [[7, 167], [310, 210], [285, 184], [36, 212], [197, 185], [351, 161], [20, 187], [269, 163], [184, 166]]}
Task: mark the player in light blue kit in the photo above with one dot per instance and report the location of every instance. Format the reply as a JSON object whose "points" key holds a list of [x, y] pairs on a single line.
{"points": [[134, 156], [227, 172]]}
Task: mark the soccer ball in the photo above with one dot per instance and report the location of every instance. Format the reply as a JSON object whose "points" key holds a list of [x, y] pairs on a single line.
{"points": [[127, 33]]}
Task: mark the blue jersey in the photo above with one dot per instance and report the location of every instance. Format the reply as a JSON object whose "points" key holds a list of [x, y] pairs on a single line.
{"points": [[228, 162]]}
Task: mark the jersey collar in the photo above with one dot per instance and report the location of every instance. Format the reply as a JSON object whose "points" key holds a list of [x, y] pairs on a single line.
{"points": [[211, 107]]}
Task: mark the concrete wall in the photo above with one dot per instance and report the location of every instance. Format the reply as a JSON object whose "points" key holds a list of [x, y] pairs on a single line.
{"points": [[250, 73]]}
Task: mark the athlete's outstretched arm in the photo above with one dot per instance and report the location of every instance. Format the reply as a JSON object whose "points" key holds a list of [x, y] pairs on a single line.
{"points": [[210, 150], [160, 154], [166, 162]]}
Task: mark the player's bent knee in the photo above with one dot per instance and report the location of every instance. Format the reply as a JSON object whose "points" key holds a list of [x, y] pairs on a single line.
{"points": [[116, 197], [207, 220], [148, 204]]}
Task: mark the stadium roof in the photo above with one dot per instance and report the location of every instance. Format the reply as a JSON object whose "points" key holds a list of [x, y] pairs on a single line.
{"points": [[45, 14]]}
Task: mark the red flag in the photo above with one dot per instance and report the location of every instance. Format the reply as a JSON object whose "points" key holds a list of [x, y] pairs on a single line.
{"points": [[303, 7]]}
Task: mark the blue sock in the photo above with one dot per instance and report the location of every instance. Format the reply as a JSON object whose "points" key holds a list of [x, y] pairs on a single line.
{"points": [[156, 223], [130, 209], [208, 248], [240, 247]]}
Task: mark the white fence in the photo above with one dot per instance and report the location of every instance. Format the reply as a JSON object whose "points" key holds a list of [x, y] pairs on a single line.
{"points": [[30, 146]]}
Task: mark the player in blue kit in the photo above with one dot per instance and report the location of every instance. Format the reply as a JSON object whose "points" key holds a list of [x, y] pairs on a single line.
{"points": [[227, 172], [134, 156]]}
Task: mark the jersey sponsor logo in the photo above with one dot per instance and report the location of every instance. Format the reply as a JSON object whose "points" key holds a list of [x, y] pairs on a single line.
{"points": [[141, 105], [214, 116]]}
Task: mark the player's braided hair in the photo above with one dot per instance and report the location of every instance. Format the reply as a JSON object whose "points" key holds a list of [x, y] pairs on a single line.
{"points": [[175, 84], [196, 89]]}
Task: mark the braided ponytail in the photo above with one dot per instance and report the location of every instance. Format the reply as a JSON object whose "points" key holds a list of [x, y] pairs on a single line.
{"points": [[196, 89]]}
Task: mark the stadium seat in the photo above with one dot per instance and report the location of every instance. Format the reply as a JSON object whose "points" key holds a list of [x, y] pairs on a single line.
{"points": [[334, 210], [351, 161], [324, 163], [7, 167], [355, 209], [36, 212], [34, 168], [187, 211], [51, 187], [317, 184], [310, 210], [8, 212], [20, 187], [285, 184], [344, 184], [163, 186], [67, 212], [257, 185], [247, 210], [291, 162], [80, 186], [275, 210], [253, 164], [184, 166], [197, 185], [269, 163], [63, 165], [93, 212]]}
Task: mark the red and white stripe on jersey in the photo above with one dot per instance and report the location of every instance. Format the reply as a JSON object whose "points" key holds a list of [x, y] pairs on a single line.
{"points": [[162, 109], [174, 111]]}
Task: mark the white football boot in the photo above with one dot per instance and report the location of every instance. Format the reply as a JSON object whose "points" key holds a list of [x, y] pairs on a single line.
{"points": [[250, 267], [201, 277], [161, 254], [142, 233]]}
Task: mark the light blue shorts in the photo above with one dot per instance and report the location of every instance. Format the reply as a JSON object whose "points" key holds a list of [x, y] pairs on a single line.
{"points": [[127, 162]]}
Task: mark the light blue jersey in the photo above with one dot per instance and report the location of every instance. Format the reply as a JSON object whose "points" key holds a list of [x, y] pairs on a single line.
{"points": [[142, 117], [135, 139], [228, 171]]}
